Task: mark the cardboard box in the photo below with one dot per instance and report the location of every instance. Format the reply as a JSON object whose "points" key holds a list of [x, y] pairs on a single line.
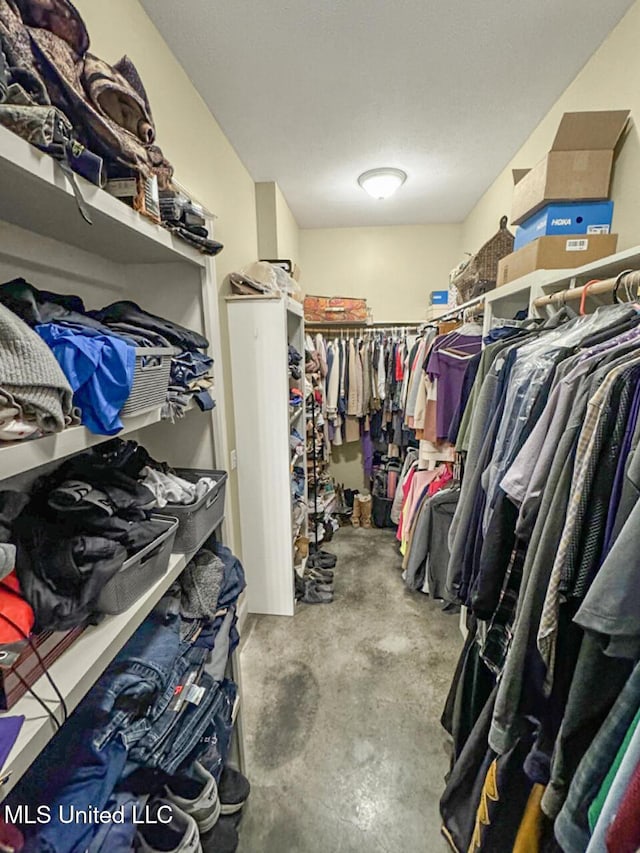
{"points": [[434, 312], [578, 167], [577, 218], [439, 297], [555, 253]]}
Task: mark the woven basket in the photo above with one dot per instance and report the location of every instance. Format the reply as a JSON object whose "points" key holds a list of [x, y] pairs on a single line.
{"points": [[481, 273]]}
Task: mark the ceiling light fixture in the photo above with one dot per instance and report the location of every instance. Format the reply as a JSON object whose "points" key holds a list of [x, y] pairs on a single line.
{"points": [[382, 183]]}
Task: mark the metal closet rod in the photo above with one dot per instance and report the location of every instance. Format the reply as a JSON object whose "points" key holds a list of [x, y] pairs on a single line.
{"points": [[355, 327], [624, 281]]}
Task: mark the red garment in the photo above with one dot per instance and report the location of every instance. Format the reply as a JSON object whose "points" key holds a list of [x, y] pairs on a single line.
{"points": [[399, 364], [17, 609], [441, 480], [10, 837], [623, 835]]}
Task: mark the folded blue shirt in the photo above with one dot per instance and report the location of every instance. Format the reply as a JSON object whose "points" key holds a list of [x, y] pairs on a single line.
{"points": [[100, 371]]}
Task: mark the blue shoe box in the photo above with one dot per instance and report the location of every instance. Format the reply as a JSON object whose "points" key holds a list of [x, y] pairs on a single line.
{"points": [[577, 218], [439, 297]]}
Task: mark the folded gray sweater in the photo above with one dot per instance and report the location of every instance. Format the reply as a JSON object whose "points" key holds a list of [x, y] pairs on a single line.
{"points": [[30, 375]]}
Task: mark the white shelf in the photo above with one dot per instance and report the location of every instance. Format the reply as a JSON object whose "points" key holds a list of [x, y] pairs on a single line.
{"points": [[17, 457], [551, 280], [37, 195], [75, 672], [295, 307], [293, 418], [538, 278]]}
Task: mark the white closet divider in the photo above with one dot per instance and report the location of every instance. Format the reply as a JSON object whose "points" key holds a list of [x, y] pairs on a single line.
{"points": [[259, 328]]}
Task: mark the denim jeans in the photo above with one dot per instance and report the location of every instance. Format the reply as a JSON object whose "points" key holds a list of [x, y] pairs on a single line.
{"points": [[118, 837], [234, 581], [213, 749]]}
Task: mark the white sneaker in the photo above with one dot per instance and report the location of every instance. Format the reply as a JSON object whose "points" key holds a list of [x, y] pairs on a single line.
{"points": [[205, 807], [179, 834]]}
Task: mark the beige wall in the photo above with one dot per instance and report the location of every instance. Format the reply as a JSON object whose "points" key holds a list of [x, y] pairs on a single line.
{"points": [[288, 233], [278, 233], [608, 81], [394, 268], [191, 139]]}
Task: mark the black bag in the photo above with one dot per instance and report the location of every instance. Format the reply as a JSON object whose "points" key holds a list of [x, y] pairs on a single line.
{"points": [[381, 512]]}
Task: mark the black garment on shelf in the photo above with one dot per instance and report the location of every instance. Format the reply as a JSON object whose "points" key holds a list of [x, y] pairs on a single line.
{"points": [[129, 312]]}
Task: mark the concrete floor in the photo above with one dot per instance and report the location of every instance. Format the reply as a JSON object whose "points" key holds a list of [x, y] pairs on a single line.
{"points": [[345, 752]]}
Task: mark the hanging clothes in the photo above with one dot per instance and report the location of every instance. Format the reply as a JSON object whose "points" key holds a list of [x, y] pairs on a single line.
{"points": [[544, 545]]}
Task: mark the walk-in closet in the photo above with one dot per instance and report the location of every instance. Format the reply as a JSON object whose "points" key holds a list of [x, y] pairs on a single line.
{"points": [[319, 423]]}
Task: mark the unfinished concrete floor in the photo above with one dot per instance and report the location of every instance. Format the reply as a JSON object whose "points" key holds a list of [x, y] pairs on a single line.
{"points": [[342, 703]]}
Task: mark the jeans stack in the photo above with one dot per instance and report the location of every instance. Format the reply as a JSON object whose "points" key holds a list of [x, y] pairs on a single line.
{"points": [[150, 741]]}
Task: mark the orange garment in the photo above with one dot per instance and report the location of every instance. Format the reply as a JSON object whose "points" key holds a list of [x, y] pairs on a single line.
{"points": [[530, 832]]}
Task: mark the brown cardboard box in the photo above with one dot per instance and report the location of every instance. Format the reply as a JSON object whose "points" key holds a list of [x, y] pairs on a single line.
{"points": [[556, 252], [578, 167]]}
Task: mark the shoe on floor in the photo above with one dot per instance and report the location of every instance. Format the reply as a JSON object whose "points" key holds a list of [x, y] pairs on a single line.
{"points": [[223, 838], [319, 575], [322, 560], [312, 594], [233, 790], [181, 835], [196, 794]]}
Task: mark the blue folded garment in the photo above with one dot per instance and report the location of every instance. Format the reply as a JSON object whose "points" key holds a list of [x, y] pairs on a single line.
{"points": [[100, 370]]}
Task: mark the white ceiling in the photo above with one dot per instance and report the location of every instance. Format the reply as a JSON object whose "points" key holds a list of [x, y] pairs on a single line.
{"points": [[313, 92]]}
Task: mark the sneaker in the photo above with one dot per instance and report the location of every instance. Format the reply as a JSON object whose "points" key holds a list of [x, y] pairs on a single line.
{"points": [[180, 835], [223, 838], [234, 790], [196, 794]]}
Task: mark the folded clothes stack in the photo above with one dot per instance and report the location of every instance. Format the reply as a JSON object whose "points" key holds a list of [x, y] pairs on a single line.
{"points": [[186, 219], [61, 544], [155, 730], [95, 353]]}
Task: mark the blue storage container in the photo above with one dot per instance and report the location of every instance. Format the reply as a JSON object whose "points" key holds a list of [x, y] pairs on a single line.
{"points": [[572, 218]]}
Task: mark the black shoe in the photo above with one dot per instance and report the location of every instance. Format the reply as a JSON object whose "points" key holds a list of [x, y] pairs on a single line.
{"points": [[322, 560], [223, 838], [319, 575], [233, 791], [312, 595]]}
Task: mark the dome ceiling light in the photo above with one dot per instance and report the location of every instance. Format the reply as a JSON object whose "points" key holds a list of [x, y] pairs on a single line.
{"points": [[382, 183]]}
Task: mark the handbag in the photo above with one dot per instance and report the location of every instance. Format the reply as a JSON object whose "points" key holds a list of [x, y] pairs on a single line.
{"points": [[480, 273]]}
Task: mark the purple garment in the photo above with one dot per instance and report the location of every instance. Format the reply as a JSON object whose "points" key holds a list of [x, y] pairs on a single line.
{"points": [[618, 482], [9, 731], [367, 454], [450, 370]]}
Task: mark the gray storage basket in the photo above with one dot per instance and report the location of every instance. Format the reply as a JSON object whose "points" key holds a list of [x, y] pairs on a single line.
{"points": [[198, 520], [150, 380], [139, 572]]}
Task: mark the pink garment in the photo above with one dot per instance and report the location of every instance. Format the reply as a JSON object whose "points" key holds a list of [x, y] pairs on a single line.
{"points": [[392, 484], [406, 486], [419, 483]]}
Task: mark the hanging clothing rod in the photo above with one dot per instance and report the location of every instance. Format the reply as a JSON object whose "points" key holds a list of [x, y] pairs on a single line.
{"points": [[338, 328], [627, 281]]}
